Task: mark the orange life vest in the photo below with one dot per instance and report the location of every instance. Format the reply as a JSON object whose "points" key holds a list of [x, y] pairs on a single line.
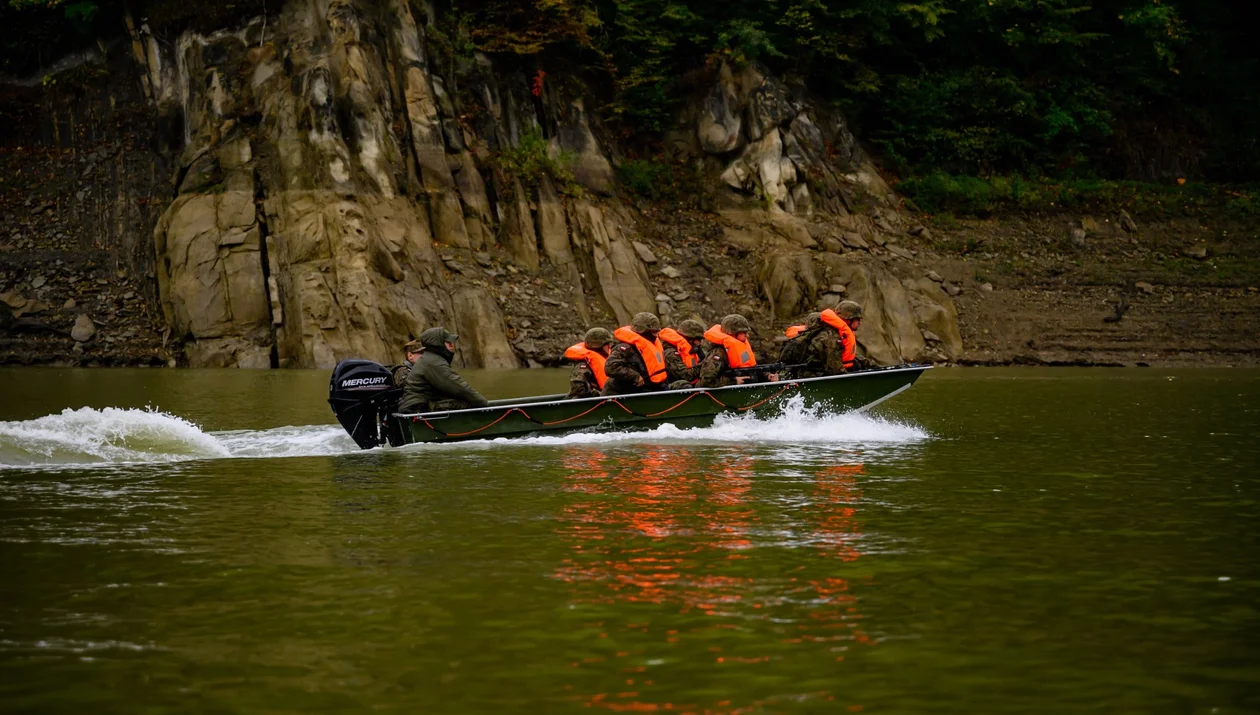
{"points": [[652, 352], [682, 344], [593, 358], [795, 330], [738, 352], [848, 340]]}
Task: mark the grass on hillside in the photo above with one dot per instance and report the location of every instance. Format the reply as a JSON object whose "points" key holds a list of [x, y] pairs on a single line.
{"points": [[946, 195]]}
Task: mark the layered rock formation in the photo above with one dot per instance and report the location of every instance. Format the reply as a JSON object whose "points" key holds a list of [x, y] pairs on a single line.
{"points": [[338, 186]]}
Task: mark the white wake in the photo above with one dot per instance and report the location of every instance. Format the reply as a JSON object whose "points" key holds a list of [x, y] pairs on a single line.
{"points": [[89, 436]]}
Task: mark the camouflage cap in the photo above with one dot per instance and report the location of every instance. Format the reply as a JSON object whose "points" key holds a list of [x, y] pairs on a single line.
{"points": [[849, 310], [691, 329], [412, 346], [597, 338], [735, 323], [645, 323]]}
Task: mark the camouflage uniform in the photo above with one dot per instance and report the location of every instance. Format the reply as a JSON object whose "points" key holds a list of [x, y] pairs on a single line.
{"points": [[681, 376], [714, 368], [582, 382], [403, 371], [823, 352], [626, 371]]}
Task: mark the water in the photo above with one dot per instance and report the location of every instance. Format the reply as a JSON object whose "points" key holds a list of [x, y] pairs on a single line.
{"points": [[990, 541]]}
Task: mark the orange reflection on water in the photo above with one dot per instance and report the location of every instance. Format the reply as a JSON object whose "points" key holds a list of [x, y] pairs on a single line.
{"points": [[661, 527]]}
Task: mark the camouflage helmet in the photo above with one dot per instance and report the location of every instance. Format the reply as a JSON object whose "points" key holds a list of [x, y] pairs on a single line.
{"points": [[849, 310], [691, 329], [645, 323], [735, 323], [597, 338]]}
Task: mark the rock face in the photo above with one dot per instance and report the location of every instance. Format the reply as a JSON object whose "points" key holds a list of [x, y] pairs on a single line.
{"points": [[338, 185], [323, 162]]}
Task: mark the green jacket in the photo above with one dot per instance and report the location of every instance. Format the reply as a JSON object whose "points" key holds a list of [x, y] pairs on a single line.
{"points": [[432, 378]]}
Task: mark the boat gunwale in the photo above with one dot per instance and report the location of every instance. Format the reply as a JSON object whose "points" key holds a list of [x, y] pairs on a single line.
{"points": [[413, 416]]}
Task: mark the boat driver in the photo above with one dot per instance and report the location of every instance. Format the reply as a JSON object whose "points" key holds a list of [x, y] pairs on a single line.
{"points": [[433, 385]]}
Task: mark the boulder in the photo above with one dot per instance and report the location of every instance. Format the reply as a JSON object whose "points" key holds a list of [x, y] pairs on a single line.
{"points": [[900, 252], [890, 333], [854, 240], [645, 253], [794, 230], [718, 123], [788, 280], [746, 240], [1198, 252], [936, 315], [83, 329], [768, 105]]}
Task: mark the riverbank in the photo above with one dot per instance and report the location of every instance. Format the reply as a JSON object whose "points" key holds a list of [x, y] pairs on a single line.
{"points": [[1052, 290]]}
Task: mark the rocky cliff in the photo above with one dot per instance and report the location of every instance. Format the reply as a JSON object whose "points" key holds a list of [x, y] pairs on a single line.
{"points": [[330, 183]]}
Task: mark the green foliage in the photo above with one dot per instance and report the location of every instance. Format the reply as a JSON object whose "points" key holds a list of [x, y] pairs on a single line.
{"points": [[451, 36], [743, 41], [647, 179], [529, 160], [527, 27], [947, 195], [1140, 89]]}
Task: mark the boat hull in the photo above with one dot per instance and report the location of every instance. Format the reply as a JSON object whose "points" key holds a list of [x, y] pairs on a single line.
{"points": [[684, 408]]}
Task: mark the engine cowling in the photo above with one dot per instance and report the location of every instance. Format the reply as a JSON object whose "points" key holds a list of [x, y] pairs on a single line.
{"points": [[362, 395]]}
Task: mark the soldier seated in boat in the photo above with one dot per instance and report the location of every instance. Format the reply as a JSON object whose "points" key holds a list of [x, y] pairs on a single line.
{"points": [[637, 363], [684, 349], [730, 351], [826, 343], [588, 377], [411, 353], [433, 385]]}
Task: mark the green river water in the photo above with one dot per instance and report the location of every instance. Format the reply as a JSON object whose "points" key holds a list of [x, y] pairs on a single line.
{"points": [[1022, 540]]}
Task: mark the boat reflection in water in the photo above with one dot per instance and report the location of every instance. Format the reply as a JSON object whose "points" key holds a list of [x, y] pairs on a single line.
{"points": [[696, 585]]}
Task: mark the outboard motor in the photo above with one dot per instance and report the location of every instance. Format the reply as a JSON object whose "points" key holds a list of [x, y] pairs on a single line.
{"points": [[362, 396]]}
